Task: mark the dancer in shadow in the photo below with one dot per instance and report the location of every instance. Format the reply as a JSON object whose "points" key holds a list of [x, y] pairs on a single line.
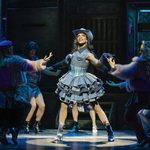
{"points": [[14, 93], [33, 78], [137, 81]]}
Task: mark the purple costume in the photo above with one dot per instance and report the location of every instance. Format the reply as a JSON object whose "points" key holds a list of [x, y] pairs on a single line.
{"points": [[135, 74], [137, 80], [13, 78]]}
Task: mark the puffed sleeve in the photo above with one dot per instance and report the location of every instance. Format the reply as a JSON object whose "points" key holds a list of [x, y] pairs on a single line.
{"points": [[68, 58]]}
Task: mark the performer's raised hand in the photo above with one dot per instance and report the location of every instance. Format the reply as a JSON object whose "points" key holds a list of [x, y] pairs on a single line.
{"points": [[111, 62], [47, 58], [41, 64]]}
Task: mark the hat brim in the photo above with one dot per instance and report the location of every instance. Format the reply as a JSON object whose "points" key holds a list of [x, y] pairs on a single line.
{"points": [[77, 31], [88, 33], [5, 43]]}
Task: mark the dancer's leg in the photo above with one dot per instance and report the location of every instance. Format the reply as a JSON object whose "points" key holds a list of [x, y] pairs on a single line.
{"points": [[93, 118], [62, 119], [102, 116], [75, 114], [40, 112]]}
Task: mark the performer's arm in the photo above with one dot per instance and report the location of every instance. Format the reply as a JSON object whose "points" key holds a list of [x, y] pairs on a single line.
{"points": [[97, 63], [49, 72], [124, 72], [121, 85], [63, 64], [28, 65], [60, 65]]}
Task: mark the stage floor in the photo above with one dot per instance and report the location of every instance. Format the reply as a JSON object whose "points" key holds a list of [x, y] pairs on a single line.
{"points": [[84, 140]]}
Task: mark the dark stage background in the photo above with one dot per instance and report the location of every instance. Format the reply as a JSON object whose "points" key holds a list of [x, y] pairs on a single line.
{"points": [[117, 25]]}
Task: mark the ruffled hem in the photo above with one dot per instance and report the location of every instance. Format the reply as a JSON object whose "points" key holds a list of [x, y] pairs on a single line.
{"points": [[79, 88]]}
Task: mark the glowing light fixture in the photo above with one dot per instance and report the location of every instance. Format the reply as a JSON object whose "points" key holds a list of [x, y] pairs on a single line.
{"points": [[145, 10]]}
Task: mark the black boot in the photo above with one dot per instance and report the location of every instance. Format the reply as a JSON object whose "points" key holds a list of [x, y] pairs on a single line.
{"points": [[3, 138], [26, 127], [14, 132], [144, 142], [110, 133], [36, 127], [75, 127]]}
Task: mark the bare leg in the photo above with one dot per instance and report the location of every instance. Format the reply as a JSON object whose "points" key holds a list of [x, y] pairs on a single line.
{"points": [[102, 116], [41, 107], [75, 114], [62, 119], [93, 118], [63, 113], [30, 114], [39, 114], [33, 107]]}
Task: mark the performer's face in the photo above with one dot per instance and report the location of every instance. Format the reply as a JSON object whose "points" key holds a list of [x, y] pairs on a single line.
{"points": [[142, 47], [32, 52], [81, 39]]}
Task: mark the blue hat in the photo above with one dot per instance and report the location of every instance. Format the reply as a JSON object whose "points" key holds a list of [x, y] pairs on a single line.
{"points": [[88, 33], [5, 43]]}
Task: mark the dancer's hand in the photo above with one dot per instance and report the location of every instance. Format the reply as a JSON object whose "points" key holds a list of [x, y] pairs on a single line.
{"points": [[111, 62], [47, 58], [41, 63]]}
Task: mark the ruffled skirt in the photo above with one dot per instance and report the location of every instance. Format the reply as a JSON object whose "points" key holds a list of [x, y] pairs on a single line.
{"points": [[80, 89]]}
